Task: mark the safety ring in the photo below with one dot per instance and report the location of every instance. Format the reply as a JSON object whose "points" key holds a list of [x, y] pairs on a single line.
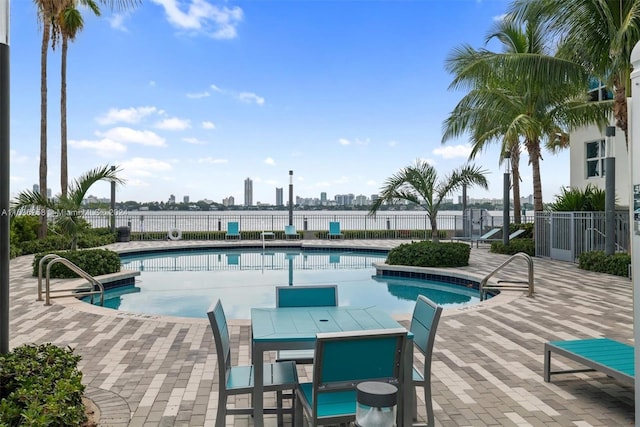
{"points": [[175, 234]]}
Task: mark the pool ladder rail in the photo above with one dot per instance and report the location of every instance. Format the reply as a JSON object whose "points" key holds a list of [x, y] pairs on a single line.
{"points": [[94, 288], [508, 285]]}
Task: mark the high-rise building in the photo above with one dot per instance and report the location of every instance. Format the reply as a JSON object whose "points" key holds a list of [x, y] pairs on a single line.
{"points": [[185, 199], [172, 200], [228, 201], [248, 192], [323, 198], [279, 197]]}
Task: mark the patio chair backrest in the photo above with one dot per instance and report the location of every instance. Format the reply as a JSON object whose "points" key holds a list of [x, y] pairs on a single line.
{"points": [[344, 359], [424, 323], [307, 296], [334, 227], [517, 233], [218, 322], [489, 234], [233, 228]]}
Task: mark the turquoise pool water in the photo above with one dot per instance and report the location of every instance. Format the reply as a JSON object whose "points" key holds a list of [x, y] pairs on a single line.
{"points": [[186, 283]]}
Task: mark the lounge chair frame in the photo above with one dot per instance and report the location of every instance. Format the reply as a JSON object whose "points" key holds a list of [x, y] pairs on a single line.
{"points": [[614, 358]]}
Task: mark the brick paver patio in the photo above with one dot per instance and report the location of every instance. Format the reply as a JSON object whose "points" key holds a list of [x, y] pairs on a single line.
{"points": [[146, 370]]}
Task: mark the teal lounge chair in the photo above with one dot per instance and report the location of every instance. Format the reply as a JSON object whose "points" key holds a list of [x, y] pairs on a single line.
{"points": [[233, 231], [484, 238], [343, 360], [334, 230], [290, 232]]}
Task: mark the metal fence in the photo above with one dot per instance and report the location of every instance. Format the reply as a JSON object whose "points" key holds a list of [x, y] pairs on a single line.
{"points": [[565, 235]]}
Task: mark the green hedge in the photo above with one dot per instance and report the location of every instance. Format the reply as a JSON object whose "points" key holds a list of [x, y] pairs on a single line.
{"points": [[40, 385], [430, 254], [616, 264], [94, 261], [515, 245], [56, 242]]}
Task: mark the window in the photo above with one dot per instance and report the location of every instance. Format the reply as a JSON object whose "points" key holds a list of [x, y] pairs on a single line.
{"points": [[595, 158], [598, 91]]}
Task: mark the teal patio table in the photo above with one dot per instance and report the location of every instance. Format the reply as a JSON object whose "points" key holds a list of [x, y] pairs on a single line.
{"points": [[295, 328]]}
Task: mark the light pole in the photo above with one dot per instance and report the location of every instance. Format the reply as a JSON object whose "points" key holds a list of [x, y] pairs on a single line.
{"points": [[505, 203], [4, 176], [113, 203], [290, 197], [610, 193]]}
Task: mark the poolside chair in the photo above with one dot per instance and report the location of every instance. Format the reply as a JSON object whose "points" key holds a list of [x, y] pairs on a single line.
{"points": [[343, 360], [485, 237], [334, 230], [290, 232], [234, 380], [304, 296], [424, 323], [233, 230]]}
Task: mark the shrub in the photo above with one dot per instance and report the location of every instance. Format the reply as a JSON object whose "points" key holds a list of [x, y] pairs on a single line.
{"points": [[430, 254], [40, 385], [94, 261], [515, 245], [616, 264]]}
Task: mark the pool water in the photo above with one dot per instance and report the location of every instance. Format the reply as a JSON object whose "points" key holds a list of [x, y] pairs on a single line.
{"points": [[187, 283]]}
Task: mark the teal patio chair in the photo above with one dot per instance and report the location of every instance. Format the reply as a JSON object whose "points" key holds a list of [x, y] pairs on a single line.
{"points": [[334, 230], [343, 360], [304, 296], [290, 232], [234, 380], [233, 230], [424, 323]]}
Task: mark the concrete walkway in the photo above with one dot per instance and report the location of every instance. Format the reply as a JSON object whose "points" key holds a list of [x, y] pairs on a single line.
{"points": [[146, 370]]}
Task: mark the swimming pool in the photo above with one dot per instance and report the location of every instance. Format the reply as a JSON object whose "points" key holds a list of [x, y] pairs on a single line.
{"points": [[185, 283]]}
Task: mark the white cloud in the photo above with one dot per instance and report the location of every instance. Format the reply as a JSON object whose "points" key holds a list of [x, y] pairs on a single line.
{"points": [[429, 161], [103, 148], [371, 183], [499, 18], [270, 161], [201, 17], [392, 143], [453, 151], [126, 115], [344, 141], [207, 124], [195, 141], [215, 88], [116, 21], [173, 123], [198, 95], [144, 167], [15, 158], [212, 161], [152, 83], [128, 135], [250, 98]]}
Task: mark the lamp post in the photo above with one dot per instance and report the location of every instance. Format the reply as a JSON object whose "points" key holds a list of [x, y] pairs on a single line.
{"points": [[466, 228], [4, 176], [505, 203], [113, 203], [290, 197], [610, 193]]}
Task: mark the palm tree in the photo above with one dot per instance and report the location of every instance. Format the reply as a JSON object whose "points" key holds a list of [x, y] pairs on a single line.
{"points": [[68, 208], [69, 22], [419, 184], [599, 34], [519, 97]]}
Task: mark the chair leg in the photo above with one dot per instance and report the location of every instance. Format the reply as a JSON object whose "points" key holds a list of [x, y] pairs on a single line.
{"points": [[414, 403], [428, 404], [298, 416], [222, 411], [279, 406]]}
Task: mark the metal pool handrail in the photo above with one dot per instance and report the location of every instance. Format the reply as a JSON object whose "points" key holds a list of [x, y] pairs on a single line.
{"points": [[511, 285]]}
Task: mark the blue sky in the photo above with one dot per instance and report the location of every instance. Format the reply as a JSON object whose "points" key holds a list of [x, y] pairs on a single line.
{"points": [[191, 97]]}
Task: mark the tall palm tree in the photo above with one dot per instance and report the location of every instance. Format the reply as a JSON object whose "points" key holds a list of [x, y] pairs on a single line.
{"points": [[68, 208], [520, 96], [48, 11], [599, 34], [69, 22], [420, 184]]}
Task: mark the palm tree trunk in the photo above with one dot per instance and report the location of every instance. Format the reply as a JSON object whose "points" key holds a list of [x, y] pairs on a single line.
{"points": [[515, 182], [46, 28], [63, 118], [434, 228], [533, 148], [620, 108]]}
